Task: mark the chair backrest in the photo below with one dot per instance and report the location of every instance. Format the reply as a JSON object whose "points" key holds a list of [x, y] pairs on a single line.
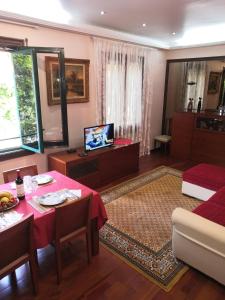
{"points": [[16, 244], [10, 175], [73, 216]]}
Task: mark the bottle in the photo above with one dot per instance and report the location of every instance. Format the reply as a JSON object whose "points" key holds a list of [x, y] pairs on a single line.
{"points": [[19, 186], [190, 105], [199, 105]]}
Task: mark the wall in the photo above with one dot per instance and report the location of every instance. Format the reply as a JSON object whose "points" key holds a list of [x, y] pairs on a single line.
{"points": [[196, 52], [80, 115], [158, 81]]}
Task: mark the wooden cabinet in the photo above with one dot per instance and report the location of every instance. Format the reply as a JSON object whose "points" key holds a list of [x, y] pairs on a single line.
{"points": [[182, 130], [99, 167], [203, 138]]}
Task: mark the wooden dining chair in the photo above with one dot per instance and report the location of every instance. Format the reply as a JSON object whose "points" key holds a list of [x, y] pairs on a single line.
{"points": [[71, 220], [10, 175], [17, 248]]}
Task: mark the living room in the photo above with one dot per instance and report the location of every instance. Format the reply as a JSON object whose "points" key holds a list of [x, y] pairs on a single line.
{"points": [[114, 278]]}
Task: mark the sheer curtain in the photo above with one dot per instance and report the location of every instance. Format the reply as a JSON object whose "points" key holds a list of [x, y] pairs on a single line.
{"points": [[195, 73], [123, 90]]}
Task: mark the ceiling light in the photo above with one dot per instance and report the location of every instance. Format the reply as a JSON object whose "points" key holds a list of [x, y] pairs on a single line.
{"points": [[102, 12], [200, 35], [144, 25], [173, 33]]}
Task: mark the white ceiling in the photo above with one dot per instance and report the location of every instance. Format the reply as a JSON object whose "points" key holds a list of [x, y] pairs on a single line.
{"points": [[199, 22]]}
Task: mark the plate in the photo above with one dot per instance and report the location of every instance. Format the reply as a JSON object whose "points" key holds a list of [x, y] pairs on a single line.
{"points": [[43, 179], [51, 199], [56, 198], [14, 204]]}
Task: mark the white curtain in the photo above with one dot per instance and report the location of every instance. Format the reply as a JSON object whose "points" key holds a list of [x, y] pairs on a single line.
{"points": [[195, 73], [123, 89]]}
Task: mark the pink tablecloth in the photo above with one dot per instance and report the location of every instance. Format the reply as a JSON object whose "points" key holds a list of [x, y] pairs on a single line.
{"points": [[44, 222]]}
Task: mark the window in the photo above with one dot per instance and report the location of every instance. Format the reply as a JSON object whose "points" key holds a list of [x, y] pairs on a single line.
{"points": [[124, 89], [26, 120], [9, 120], [124, 93]]}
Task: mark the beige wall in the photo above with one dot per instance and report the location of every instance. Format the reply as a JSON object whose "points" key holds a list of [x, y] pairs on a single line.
{"points": [[196, 52], [158, 81], [80, 115]]}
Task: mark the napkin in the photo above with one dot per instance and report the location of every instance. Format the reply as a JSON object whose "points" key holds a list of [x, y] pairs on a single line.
{"points": [[9, 218]]}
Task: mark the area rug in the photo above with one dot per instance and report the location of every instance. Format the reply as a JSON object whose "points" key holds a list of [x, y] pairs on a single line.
{"points": [[139, 228]]}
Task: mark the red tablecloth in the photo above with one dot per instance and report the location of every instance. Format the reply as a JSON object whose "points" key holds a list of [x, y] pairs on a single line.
{"points": [[44, 222]]}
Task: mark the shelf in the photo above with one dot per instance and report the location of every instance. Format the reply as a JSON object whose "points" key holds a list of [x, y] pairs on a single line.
{"points": [[83, 168], [212, 124]]}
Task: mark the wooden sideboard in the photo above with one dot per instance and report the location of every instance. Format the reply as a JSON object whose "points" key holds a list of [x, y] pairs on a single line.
{"points": [[99, 167], [199, 137]]}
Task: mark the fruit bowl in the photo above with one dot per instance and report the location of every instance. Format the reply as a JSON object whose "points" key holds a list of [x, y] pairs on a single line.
{"points": [[7, 200]]}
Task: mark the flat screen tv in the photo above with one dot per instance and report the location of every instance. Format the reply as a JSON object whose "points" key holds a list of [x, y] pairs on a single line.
{"points": [[98, 137]]}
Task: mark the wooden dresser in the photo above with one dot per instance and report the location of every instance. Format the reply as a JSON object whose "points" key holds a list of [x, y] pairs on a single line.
{"points": [[99, 167], [198, 137]]}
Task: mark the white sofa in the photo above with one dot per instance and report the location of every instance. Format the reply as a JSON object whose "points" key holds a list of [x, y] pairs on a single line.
{"points": [[199, 242]]}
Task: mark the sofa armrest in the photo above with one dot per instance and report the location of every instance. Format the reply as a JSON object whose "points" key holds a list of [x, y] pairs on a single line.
{"points": [[199, 230]]}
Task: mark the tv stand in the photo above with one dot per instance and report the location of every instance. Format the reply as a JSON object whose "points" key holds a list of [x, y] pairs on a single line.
{"points": [[99, 167]]}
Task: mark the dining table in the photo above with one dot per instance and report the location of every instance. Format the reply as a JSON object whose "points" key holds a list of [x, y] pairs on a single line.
{"points": [[44, 218]]}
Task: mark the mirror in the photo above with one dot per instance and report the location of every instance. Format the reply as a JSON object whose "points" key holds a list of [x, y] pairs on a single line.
{"points": [[194, 78]]}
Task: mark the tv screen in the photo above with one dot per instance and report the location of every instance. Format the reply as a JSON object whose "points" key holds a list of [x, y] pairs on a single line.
{"points": [[98, 136]]}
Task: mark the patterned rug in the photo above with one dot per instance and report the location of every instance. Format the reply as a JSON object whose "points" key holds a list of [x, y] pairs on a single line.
{"points": [[139, 228]]}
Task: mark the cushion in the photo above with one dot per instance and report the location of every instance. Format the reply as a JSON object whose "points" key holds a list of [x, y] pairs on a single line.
{"points": [[218, 197], [163, 138], [211, 211], [211, 177]]}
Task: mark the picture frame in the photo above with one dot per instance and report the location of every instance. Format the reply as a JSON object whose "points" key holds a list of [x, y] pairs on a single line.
{"points": [[76, 77], [214, 81]]}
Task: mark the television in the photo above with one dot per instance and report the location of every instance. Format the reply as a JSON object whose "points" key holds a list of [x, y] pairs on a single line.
{"points": [[98, 137]]}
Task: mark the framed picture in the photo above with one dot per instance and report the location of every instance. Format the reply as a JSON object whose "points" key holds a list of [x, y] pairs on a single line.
{"points": [[76, 76], [214, 81]]}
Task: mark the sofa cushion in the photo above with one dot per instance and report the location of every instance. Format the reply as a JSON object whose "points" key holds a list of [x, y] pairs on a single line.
{"points": [[211, 177], [218, 197], [212, 211]]}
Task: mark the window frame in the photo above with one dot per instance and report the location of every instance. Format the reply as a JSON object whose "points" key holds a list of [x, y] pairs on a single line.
{"points": [[19, 44]]}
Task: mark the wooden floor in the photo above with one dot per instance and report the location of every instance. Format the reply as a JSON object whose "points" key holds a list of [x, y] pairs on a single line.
{"points": [[107, 277]]}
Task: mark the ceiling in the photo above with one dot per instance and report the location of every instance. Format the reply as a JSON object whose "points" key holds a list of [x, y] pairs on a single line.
{"points": [[169, 23]]}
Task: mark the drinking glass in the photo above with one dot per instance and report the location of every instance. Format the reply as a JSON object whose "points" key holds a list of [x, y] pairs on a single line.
{"points": [[30, 184]]}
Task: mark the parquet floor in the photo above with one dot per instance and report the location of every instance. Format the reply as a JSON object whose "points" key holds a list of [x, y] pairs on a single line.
{"points": [[107, 277]]}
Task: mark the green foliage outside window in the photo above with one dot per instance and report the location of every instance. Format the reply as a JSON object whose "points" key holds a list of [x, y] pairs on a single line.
{"points": [[25, 97], [6, 102]]}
